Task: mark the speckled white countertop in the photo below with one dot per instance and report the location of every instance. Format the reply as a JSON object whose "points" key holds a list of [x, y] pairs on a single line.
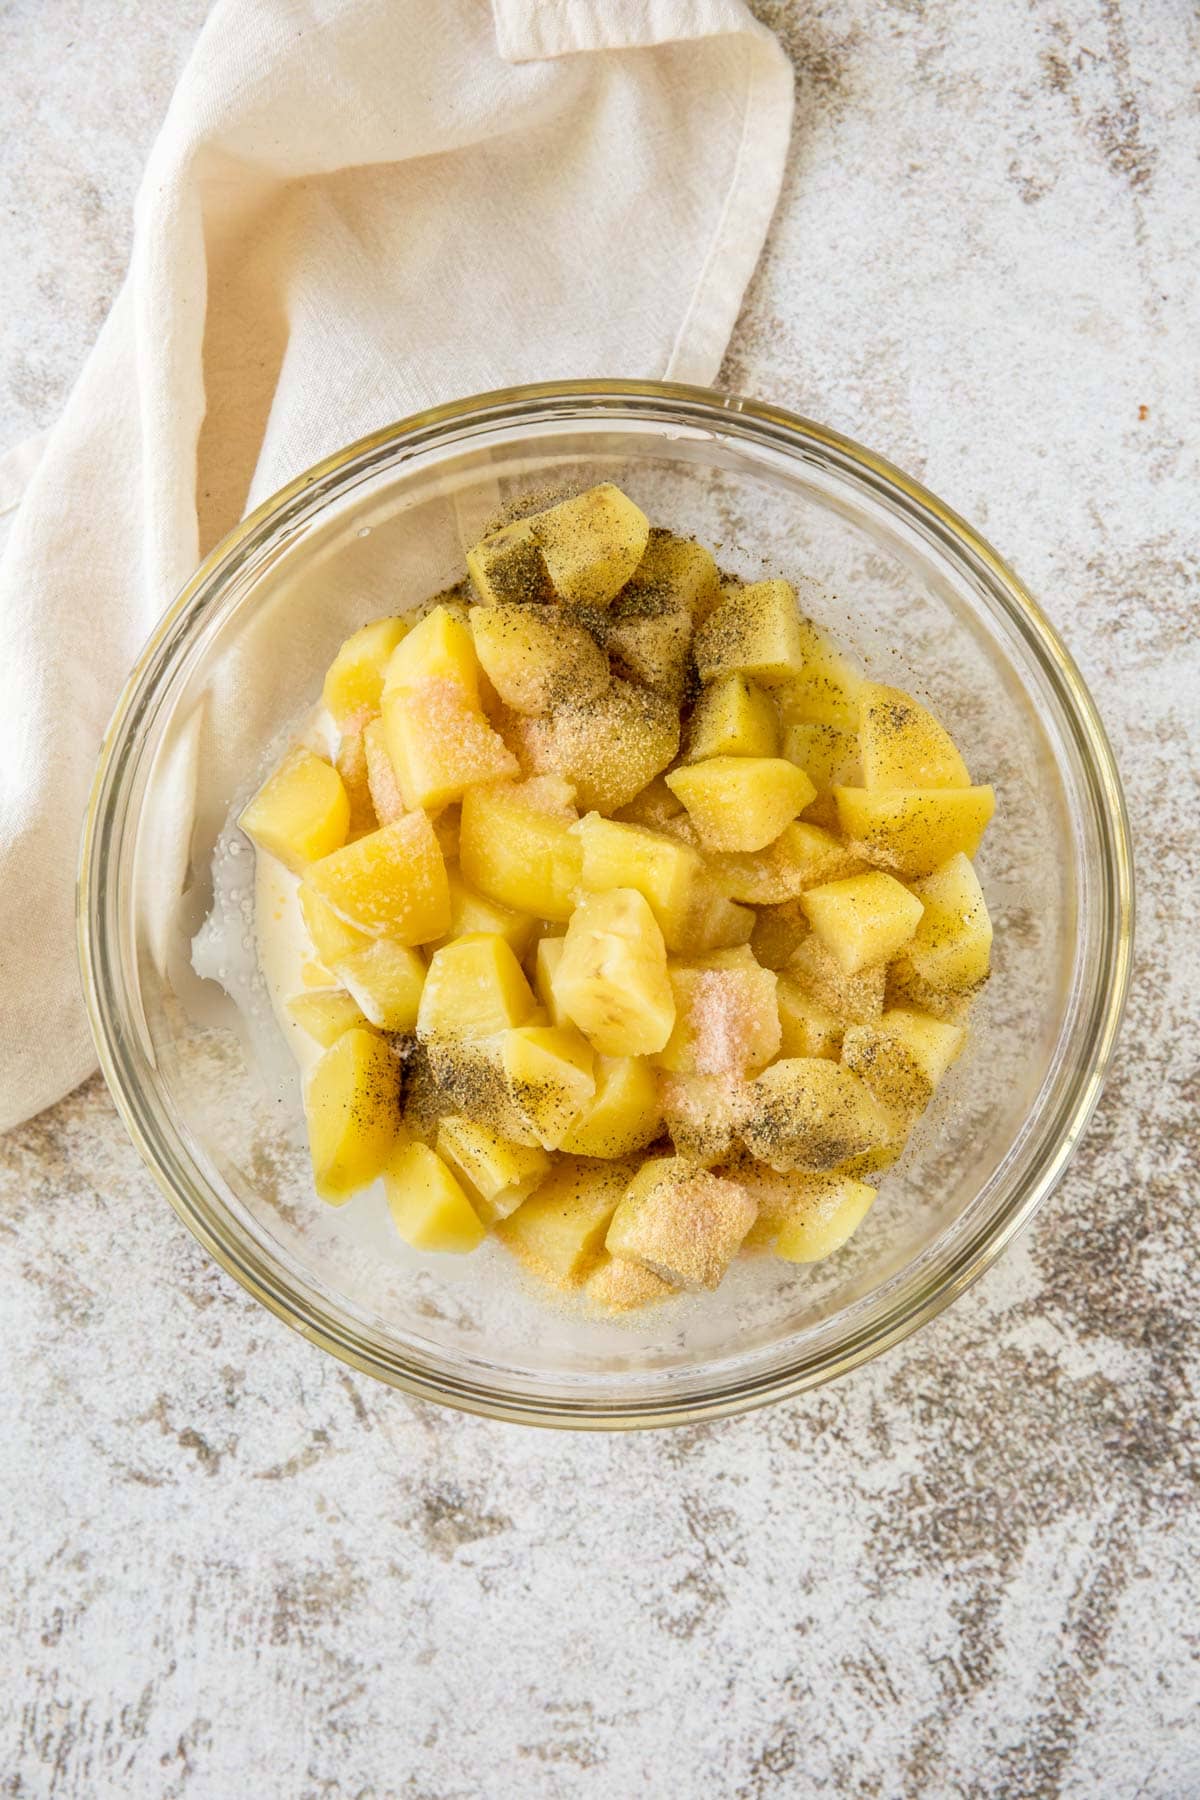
{"points": [[232, 1568]]}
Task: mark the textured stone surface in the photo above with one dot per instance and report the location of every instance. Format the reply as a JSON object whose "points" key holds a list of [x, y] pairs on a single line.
{"points": [[231, 1567]]}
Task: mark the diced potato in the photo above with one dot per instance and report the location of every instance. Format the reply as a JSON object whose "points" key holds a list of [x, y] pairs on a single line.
{"points": [[497, 1173], [609, 747], [681, 1222], [623, 1115], [726, 1016], [439, 649], [679, 569], [352, 767], [805, 1112], [755, 631], [653, 807], [592, 544], [650, 638], [558, 1233], [912, 830], [801, 857], [386, 980], [386, 797], [863, 920], [546, 960], [471, 911], [703, 1114], [391, 883], [428, 1206], [315, 975], [902, 1057], [620, 1285], [902, 745], [517, 848], [664, 871], [457, 1075], [537, 656], [713, 922], [355, 678], [799, 1206], [352, 1102], [733, 717], [741, 803], [301, 812], [777, 933], [475, 987], [549, 1071], [439, 742], [806, 1027], [825, 692], [828, 754], [507, 567], [855, 999], [952, 949], [331, 937], [324, 1013], [611, 979]]}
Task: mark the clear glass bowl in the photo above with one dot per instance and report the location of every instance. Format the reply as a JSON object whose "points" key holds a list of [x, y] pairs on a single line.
{"points": [[208, 1091]]}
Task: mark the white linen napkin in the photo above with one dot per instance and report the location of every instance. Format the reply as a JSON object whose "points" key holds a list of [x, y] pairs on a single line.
{"points": [[355, 209]]}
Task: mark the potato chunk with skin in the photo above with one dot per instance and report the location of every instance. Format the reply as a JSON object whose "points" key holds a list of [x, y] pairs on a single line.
{"points": [[558, 1233], [609, 747], [902, 1057], [391, 883], [517, 848], [440, 744], [702, 1114], [802, 856], [664, 871], [537, 656], [623, 1115], [741, 803], [301, 812], [611, 979], [807, 1113], [902, 745], [733, 717], [439, 649], [806, 1027], [755, 631], [952, 948], [386, 980], [354, 681], [863, 920], [386, 797], [352, 1103], [621, 1285], [324, 1013], [853, 998], [428, 1206], [497, 1173], [726, 1016], [474, 988], [471, 911], [913, 830], [682, 1222]]}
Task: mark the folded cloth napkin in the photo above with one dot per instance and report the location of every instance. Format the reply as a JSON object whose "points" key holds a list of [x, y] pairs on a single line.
{"points": [[355, 209]]}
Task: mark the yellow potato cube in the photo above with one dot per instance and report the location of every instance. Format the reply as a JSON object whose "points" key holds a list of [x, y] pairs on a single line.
{"points": [[621, 1285], [611, 979], [386, 981], [537, 656], [497, 1173], [507, 567], [912, 830], [854, 999], [664, 871], [324, 1013], [352, 1102], [726, 1016], [798, 1206], [351, 765], [439, 649], [474, 988], [902, 1057], [863, 920], [623, 1115], [471, 911], [428, 1206], [801, 857], [755, 631], [608, 747], [826, 1223], [902, 745], [545, 965], [703, 1114], [355, 678], [391, 883], [439, 743], [386, 797], [825, 691], [805, 1112], [301, 812], [591, 544], [315, 975], [558, 1233], [650, 638], [733, 717], [952, 949], [828, 754], [678, 569], [806, 1027], [741, 803], [331, 937], [517, 848], [712, 923], [549, 1076], [681, 1222]]}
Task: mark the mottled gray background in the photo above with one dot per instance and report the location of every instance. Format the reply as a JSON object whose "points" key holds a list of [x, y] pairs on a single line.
{"points": [[233, 1568]]}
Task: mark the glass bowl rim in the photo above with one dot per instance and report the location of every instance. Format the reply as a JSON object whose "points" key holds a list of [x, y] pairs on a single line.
{"points": [[201, 1208]]}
